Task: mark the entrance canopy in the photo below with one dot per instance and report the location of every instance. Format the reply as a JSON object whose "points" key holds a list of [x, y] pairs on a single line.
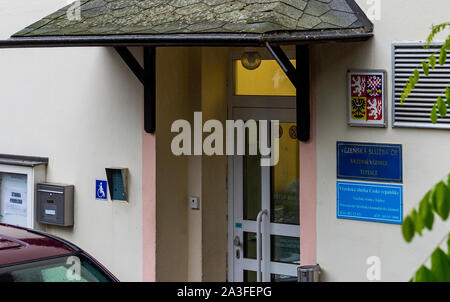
{"points": [[155, 23], [196, 22]]}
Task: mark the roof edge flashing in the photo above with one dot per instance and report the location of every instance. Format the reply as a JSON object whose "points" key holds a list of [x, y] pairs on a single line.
{"points": [[20, 160], [367, 24], [210, 39]]}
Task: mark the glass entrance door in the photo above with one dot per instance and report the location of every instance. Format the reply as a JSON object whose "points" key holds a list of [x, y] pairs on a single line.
{"points": [[266, 202]]}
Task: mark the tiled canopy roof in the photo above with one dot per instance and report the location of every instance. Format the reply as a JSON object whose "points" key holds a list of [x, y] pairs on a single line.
{"points": [[156, 17]]}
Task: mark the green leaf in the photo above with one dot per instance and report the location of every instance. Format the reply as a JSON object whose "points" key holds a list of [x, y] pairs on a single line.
{"points": [[416, 76], [411, 84], [408, 89], [440, 266], [433, 114], [408, 229], [426, 211], [442, 107], [423, 274], [441, 200], [442, 56], [447, 96], [448, 245], [418, 222], [447, 43], [432, 61], [426, 68], [403, 97], [435, 29], [433, 199]]}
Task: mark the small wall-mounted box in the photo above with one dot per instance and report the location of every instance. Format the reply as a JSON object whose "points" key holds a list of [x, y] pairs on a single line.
{"points": [[118, 183], [55, 204], [193, 203]]}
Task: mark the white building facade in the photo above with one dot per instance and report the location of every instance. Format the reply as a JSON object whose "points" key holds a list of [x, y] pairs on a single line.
{"points": [[80, 110]]}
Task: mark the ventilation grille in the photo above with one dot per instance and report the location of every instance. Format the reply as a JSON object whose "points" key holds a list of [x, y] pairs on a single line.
{"points": [[416, 109]]}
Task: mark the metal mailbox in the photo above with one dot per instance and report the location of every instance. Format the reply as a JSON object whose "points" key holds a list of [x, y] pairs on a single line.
{"points": [[55, 204]]}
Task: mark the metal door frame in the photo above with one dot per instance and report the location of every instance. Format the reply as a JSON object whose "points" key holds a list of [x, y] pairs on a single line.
{"points": [[252, 107]]}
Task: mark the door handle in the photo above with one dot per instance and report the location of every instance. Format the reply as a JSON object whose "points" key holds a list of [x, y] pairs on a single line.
{"points": [[259, 243], [237, 243]]}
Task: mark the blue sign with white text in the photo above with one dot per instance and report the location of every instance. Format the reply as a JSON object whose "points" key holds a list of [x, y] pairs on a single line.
{"points": [[370, 161], [101, 189], [370, 202]]}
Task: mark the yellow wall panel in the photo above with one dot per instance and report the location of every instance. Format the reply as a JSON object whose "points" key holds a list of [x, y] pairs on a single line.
{"points": [[267, 79]]}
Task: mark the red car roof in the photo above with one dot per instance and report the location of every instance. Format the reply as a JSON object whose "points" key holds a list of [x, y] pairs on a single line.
{"points": [[21, 245]]}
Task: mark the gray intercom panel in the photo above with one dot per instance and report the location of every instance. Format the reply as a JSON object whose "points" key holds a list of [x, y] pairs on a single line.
{"points": [[55, 204]]}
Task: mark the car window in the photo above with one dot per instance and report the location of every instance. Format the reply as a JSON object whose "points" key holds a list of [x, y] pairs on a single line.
{"points": [[75, 268]]}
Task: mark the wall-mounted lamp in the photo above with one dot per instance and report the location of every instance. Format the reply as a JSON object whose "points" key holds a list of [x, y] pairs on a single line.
{"points": [[251, 60]]}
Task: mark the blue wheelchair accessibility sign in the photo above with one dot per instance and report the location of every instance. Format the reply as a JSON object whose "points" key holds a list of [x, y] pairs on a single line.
{"points": [[101, 189]]}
